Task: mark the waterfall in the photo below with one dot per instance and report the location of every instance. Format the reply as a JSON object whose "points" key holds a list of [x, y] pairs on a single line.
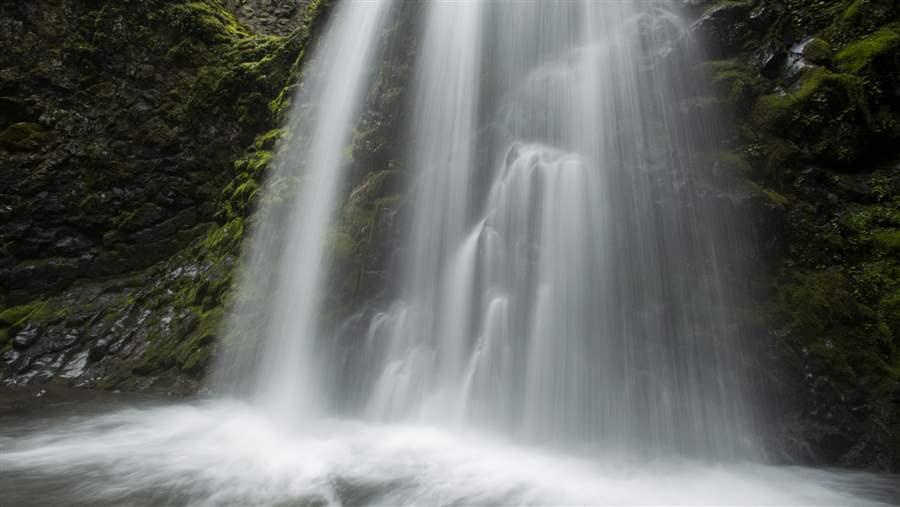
{"points": [[283, 276], [561, 325], [563, 282]]}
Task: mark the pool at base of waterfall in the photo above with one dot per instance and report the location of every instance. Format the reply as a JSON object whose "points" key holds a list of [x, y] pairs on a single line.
{"points": [[137, 451]]}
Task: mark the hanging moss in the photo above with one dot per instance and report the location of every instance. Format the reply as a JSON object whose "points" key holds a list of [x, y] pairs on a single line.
{"points": [[268, 141]]}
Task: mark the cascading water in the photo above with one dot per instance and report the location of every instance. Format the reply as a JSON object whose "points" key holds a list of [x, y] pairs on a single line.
{"points": [[284, 272], [579, 298], [561, 330]]}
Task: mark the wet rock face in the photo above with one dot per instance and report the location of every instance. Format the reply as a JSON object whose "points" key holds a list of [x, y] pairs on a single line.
{"points": [[103, 169], [121, 206], [143, 333], [809, 89], [26, 337], [273, 17], [726, 25]]}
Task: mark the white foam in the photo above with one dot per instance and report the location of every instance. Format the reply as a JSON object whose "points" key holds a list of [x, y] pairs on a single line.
{"points": [[225, 454]]}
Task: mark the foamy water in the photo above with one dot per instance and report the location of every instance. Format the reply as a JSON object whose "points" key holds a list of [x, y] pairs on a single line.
{"points": [[223, 453]]}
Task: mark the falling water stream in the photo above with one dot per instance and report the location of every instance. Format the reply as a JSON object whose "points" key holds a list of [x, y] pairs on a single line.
{"points": [[562, 329]]}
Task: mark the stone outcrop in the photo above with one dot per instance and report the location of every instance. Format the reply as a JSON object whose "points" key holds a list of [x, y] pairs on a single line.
{"points": [[809, 89]]}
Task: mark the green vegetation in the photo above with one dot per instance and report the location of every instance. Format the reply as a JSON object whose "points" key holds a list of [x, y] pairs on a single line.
{"points": [[822, 142], [817, 51], [860, 54], [208, 20]]}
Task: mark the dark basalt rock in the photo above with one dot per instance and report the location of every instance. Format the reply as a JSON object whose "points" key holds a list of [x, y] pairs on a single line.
{"points": [[26, 337], [9, 356], [275, 17], [805, 90], [769, 60], [725, 27], [119, 130]]}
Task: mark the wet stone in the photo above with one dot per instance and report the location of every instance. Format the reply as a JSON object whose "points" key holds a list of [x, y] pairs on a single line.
{"points": [[9, 356], [99, 349], [26, 337], [75, 367]]}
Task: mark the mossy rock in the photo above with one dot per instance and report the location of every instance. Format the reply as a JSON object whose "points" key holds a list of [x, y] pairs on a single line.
{"points": [[18, 316], [860, 54], [820, 300], [341, 246], [820, 92], [13, 319], [889, 240], [891, 312], [207, 20], [23, 137], [768, 195], [827, 116], [737, 82], [817, 51]]}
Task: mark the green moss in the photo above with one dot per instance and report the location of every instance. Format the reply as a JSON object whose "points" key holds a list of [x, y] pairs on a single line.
{"points": [[865, 219], [314, 11], [23, 137], [208, 20], [734, 162], [856, 56], [852, 11], [835, 297], [888, 239], [20, 315], [737, 82], [280, 104], [341, 245], [226, 237], [258, 162], [769, 195], [827, 91], [15, 318], [817, 51], [390, 202], [820, 300], [192, 354], [268, 140], [189, 51]]}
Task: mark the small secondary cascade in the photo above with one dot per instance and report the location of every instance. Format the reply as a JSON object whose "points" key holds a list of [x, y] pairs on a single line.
{"points": [[564, 280], [283, 273]]}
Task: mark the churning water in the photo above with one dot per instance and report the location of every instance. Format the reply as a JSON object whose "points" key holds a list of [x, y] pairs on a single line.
{"points": [[227, 453], [562, 331]]}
